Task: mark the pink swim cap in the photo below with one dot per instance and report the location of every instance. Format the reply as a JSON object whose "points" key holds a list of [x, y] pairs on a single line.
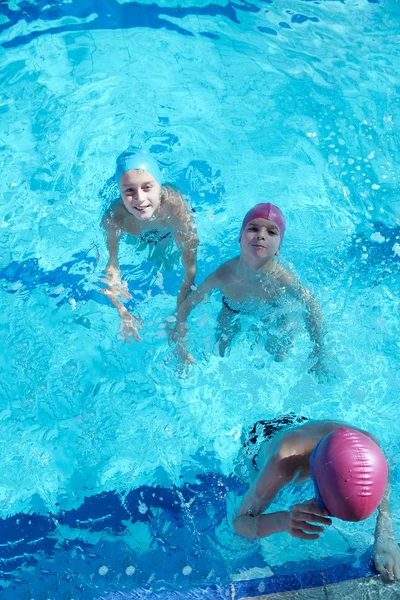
{"points": [[350, 474], [268, 211]]}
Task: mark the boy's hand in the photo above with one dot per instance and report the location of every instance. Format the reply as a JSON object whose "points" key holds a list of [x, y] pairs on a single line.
{"points": [[130, 326], [176, 334], [321, 371], [301, 517], [387, 558], [321, 367], [182, 355]]}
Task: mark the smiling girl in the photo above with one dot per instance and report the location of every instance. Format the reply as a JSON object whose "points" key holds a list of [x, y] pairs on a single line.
{"points": [[254, 283], [155, 214]]}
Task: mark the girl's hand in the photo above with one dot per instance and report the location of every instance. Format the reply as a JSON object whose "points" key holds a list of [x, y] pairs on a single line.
{"points": [[116, 286], [301, 519]]}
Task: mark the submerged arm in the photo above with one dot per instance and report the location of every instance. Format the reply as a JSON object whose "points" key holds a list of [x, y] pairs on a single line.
{"points": [[191, 301], [387, 554], [115, 287], [113, 237], [189, 243], [180, 330], [185, 238], [314, 324], [312, 314]]}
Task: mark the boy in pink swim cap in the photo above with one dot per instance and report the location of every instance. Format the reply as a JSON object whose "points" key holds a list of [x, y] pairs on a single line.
{"points": [[289, 450], [256, 280]]}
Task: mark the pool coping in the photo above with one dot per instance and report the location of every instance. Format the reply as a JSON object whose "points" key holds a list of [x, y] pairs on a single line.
{"points": [[353, 588]]}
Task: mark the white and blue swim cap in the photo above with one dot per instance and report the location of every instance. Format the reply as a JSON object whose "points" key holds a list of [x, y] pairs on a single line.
{"points": [[135, 158]]}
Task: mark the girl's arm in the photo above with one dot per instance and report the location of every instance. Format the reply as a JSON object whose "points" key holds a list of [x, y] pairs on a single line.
{"points": [[115, 287], [185, 238], [189, 243], [314, 325], [113, 235]]}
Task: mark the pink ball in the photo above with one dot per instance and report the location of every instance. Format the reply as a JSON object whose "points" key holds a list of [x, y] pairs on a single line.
{"points": [[351, 473]]}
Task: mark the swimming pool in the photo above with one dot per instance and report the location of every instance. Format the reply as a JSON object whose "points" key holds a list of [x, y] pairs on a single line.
{"points": [[116, 475]]}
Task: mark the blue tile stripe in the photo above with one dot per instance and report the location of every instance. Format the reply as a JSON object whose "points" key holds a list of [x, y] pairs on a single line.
{"points": [[44, 555]]}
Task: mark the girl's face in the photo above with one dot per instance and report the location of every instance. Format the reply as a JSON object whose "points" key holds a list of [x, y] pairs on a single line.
{"points": [[140, 193], [260, 239]]}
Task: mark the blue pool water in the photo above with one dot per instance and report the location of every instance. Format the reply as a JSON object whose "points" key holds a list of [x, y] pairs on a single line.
{"points": [[117, 476]]}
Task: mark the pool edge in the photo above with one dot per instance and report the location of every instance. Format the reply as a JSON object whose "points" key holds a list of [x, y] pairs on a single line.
{"points": [[352, 588]]}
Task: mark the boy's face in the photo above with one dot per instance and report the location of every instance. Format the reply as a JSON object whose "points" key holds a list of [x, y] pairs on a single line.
{"points": [[140, 193], [260, 239]]}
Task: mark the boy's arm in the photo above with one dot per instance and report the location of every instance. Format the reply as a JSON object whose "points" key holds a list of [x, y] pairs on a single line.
{"points": [[312, 316], [387, 554], [298, 522], [211, 282], [249, 521]]}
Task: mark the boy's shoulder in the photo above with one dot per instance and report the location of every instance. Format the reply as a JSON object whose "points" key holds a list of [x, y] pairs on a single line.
{"points": [[227, 270], [284, 276]]}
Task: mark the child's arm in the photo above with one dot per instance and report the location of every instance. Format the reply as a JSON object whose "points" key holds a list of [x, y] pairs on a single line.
{"points": [[188, 241], [313, 321], [211, 282], [180, 330], [115, 287], [297, 522], [185, 237], [387, 554], [312, 314], [249, 521]]}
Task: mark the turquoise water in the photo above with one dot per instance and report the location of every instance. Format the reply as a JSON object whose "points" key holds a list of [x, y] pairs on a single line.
{"points": [[295, 103]]}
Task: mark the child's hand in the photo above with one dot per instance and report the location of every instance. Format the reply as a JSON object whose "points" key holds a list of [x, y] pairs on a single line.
{"points": [[176, 334], [130, 326], [387, 558], [182, 354], [321, 370], [301, 517], [115, 285]]}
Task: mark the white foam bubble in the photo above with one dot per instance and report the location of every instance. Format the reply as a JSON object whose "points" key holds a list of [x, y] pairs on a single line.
{"points": [[377, 237], [396, 249]]}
